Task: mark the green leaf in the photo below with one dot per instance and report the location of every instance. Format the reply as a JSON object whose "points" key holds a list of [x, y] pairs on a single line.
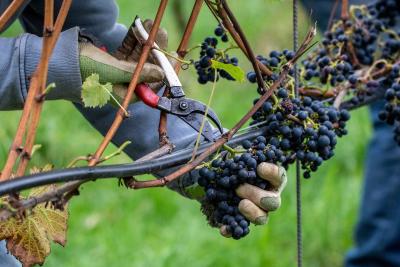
{"points": [[236, 72], [95, 94]]}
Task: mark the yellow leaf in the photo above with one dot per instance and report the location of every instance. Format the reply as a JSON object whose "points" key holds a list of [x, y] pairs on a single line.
{"points": [[28, 239], [46, 168], [55, 221]]}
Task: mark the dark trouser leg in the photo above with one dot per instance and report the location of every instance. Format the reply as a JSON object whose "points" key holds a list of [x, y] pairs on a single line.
{"points": [[377, 236]]}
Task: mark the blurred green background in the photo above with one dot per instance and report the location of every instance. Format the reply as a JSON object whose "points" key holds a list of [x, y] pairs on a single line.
{"points": [[112, 226]]}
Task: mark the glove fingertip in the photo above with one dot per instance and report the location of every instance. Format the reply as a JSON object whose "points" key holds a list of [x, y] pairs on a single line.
{"points": [[270, 203], [261, 220]]}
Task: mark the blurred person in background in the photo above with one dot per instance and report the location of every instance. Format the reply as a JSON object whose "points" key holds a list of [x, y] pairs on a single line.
{"points": [[377, 234]]}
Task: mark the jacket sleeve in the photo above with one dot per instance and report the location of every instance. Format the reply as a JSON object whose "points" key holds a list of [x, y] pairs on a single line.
{"points": [[21, 55], [19, 59]]}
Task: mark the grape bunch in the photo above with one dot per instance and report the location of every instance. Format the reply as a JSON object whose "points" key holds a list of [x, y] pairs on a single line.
{"points": [[209, 51], [302, 129], [377, 49], [353, 44], [359, 55], [296, 128], [221, 202]]}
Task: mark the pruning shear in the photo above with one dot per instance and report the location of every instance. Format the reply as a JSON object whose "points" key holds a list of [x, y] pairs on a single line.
{"points": [[189, 110]]}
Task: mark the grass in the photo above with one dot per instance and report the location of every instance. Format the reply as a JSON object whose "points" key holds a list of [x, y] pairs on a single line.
{"points": [[111, 226]]}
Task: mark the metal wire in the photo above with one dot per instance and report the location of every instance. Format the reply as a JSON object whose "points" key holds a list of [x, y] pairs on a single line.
{"points": [[298, 175]]}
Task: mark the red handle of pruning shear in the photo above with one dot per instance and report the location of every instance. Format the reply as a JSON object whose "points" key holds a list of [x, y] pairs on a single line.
{"points": [[146, 94]]}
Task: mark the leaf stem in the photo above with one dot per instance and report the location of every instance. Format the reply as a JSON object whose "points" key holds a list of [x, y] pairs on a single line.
{"points": [[203, 122], [117, 102], [168, 54]]}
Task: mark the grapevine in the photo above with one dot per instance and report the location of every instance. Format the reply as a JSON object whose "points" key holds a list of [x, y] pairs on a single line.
{"points": [[353, 57], [357, 62], [209, 52]]}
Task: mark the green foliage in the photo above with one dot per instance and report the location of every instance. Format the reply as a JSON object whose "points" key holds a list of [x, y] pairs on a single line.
{"points": [[95, 94], [235, 71]]}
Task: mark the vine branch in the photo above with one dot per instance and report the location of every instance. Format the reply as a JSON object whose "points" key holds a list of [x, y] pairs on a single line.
{"points": [[120, 115], [11, 11], [37, 85]]}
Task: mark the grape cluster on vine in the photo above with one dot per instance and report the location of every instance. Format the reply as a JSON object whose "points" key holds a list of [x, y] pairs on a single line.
{"points": [[209, 51], [359, 56]]}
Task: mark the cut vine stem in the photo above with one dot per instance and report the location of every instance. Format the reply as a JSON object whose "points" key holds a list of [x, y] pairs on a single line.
{"points": [[48, 31], [345, 10]]}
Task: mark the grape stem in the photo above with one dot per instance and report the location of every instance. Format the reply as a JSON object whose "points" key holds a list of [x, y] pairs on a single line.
{"points": [[203, 122], [172, 56], [228, 135]]}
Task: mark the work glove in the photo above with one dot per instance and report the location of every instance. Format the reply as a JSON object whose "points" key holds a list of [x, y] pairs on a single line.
{"points": [[256, 203], [94, 59]]}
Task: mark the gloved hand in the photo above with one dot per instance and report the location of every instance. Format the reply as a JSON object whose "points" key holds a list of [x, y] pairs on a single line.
{"points": [[256, 203], [119, 72]]}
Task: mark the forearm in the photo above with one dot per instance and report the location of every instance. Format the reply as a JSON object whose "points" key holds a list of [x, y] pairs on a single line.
{"points": [[19, 61]]}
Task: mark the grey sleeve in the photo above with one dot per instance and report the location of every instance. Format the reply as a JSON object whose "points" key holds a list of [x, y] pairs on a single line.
{"points": [[21, 55], [99, 17], [19, 59]]}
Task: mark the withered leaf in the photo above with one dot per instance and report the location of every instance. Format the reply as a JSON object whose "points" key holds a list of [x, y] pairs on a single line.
{"points": [[28, 239]]}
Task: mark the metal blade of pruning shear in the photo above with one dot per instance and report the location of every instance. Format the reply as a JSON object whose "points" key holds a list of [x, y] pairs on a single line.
{"points": [[189, 110], [173, 80]]}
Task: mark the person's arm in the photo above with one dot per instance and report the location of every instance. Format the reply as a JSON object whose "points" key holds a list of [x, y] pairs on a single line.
{"points": [[20, 55], [19, 59]]}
